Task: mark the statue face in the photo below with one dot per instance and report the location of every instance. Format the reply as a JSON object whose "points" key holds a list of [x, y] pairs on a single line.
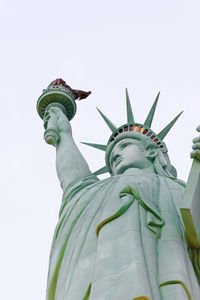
{"points": [[127, 154]]}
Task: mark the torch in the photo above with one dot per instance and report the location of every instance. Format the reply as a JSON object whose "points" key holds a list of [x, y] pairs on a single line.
{"points": [[58, 94]]}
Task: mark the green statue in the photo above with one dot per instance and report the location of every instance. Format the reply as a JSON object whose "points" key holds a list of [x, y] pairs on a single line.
{"points": [[124, 237]]}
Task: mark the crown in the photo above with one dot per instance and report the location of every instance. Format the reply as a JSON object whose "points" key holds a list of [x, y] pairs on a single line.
{"points": [[133, 130]]}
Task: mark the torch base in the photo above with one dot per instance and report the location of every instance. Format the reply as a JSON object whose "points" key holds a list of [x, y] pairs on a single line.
{"points": [[65, 98]]}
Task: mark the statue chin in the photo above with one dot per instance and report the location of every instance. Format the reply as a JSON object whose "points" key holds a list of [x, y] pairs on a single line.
{"points": [[121, 168]]}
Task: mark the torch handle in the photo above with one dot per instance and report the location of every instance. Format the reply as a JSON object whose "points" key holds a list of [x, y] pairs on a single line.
{"points": [[51, 134]]}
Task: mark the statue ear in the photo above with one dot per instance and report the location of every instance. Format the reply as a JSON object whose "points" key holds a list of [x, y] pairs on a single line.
{"points": [[152, 153]]}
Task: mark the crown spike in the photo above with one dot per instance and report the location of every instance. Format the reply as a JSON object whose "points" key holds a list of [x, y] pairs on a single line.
{"points": [[150, 116], [101, 171], [108, 122], [97, 146], [130, 118], [165, 131]]}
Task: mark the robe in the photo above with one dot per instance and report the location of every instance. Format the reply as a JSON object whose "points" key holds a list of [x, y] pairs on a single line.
{"points": [[121, 238]]}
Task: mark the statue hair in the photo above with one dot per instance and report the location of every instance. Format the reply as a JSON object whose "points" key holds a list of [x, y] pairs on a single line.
{"points": [[161, 161]]}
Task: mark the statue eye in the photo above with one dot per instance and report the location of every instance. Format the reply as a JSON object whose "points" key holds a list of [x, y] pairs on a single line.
{"points": [[112, 160], [125, 145]]}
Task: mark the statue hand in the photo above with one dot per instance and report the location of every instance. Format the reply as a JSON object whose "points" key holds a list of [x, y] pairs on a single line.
{"points": [[196, 146], [56, 116]]}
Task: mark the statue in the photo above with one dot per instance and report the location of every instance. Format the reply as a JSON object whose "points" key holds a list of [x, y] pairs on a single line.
{"points": [[122, 237]]}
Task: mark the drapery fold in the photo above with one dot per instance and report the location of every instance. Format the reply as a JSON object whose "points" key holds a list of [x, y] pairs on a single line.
{"points": [[121, 236]]}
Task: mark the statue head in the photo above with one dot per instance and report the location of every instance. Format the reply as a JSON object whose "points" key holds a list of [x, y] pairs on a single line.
{"points": [[136, 145], [130, 153], [138, 153]]}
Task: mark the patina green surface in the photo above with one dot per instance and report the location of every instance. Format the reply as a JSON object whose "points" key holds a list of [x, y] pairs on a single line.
{"points": [[123, 237]]}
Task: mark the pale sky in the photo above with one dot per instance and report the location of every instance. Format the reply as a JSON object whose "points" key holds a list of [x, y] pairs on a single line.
{"points": [[102, 46]]}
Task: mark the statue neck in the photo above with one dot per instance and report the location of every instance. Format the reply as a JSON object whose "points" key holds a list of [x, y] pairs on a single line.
{"points": [[133, 171]]}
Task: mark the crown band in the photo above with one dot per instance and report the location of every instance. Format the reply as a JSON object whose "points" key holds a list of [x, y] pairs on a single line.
{"points": [[141, 129]]}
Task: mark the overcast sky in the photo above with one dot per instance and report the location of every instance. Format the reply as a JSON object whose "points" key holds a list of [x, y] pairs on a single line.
{"points": [[102, 46]]}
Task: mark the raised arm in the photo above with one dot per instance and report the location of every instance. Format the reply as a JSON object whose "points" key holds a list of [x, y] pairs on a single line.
{"points": [[70, 164]]}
